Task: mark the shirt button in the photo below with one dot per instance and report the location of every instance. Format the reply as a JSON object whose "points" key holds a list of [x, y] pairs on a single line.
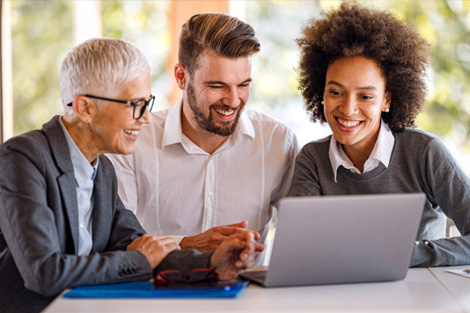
{"points": [[85, 196], [416, 243], [211, 193], [81, 225]]}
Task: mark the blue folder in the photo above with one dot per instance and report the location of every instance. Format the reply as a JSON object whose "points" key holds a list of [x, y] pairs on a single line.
{"points": [[232, 289]]}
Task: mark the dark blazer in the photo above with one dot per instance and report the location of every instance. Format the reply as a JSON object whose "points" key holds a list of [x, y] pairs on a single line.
{"points": [[39, 225]]}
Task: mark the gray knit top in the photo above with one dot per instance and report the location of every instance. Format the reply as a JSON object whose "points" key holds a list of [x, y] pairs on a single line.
{"points": [[419, 163]]}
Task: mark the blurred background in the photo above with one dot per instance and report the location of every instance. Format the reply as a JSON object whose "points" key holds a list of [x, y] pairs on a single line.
{"points": [[37, 34]]}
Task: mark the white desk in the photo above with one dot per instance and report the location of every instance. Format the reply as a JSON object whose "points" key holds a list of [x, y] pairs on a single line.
{"points": [[457, 286], [420, 291]]}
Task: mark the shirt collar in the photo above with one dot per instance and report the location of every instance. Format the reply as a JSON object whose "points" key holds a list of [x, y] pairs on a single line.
{"points": [[382, 150], [173, 133], [383, 147], [83, 170], [245, 126]]}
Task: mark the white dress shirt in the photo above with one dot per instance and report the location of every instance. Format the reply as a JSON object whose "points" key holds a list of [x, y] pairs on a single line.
{"points": [[84, 178], [382, 152], [177, 189]]}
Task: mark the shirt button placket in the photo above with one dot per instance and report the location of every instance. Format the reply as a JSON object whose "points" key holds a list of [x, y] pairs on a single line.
{"points": [[208, 195]]}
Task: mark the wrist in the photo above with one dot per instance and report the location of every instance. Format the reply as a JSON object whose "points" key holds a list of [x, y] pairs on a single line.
{"points": [[211, 260], [184, 243]]}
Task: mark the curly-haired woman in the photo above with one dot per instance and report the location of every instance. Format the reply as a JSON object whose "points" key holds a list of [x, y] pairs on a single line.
{"points": [[363, 72]]}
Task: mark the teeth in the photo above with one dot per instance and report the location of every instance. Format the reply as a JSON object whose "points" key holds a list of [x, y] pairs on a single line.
{"points": [[348, 123], [131, 132], [225, 113]]}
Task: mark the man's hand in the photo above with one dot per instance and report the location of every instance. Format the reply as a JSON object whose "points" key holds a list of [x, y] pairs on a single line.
{"points": [[212, 238], [154, 247], [237, 253]]}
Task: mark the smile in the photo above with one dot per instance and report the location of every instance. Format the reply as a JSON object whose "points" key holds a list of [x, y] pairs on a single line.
{"points": [[224, 112], [347, 123], [131, 132]]}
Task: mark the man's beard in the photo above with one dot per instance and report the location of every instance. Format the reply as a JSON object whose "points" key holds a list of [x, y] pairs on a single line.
{"points": [[209, 123]]}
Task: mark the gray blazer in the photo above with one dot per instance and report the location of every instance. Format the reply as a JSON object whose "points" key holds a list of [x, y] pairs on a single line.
{"points": [[39, 225]]}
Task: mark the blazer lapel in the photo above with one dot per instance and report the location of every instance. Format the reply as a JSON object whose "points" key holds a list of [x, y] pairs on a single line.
{"points": [[69, 196], [102, 211], [66, 180]]}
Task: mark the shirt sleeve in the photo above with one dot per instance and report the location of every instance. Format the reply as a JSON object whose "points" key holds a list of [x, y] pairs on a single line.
{"points": [[449, 188], [185, 261], [292, 150], [177, 239]]}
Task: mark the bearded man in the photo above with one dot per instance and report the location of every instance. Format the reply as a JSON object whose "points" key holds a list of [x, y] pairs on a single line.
{"points": [[208, 167]]}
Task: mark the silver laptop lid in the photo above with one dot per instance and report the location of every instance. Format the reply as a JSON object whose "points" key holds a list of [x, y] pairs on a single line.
{"points": [[344, 239]]}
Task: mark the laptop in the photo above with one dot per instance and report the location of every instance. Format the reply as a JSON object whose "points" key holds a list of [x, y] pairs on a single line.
{"points": [[342, 239]]}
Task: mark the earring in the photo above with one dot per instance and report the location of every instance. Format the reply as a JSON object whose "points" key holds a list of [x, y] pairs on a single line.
{"points": [[322, 102], [387, 110]]}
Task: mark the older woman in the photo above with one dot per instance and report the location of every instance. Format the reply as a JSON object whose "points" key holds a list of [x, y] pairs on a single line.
{"points": [[63, 224], [363, 72]]}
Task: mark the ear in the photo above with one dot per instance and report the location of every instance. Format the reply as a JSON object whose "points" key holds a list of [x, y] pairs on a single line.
{"points": [[84, 108], [388, 100], [180, 75]]}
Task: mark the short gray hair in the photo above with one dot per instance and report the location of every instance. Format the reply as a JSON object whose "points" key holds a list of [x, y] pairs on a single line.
{"points": [[100, 67]]}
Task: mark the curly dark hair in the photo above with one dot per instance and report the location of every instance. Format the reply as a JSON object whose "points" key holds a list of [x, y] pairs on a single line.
{"points": [[353, 30]]}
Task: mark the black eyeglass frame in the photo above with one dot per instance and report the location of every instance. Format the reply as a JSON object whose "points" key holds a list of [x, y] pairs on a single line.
{"points": [[149, 102]]}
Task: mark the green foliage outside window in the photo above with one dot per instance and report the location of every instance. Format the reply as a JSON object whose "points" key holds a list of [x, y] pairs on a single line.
{"points": [[42, 32], [144, 24], [446, 25]]}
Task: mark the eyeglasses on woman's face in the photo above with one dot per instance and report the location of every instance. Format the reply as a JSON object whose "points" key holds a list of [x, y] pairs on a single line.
{"points": [[139, 105]]}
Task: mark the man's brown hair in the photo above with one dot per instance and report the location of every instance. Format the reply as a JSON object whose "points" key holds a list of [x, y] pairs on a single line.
{"points": [[225, 35]]}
